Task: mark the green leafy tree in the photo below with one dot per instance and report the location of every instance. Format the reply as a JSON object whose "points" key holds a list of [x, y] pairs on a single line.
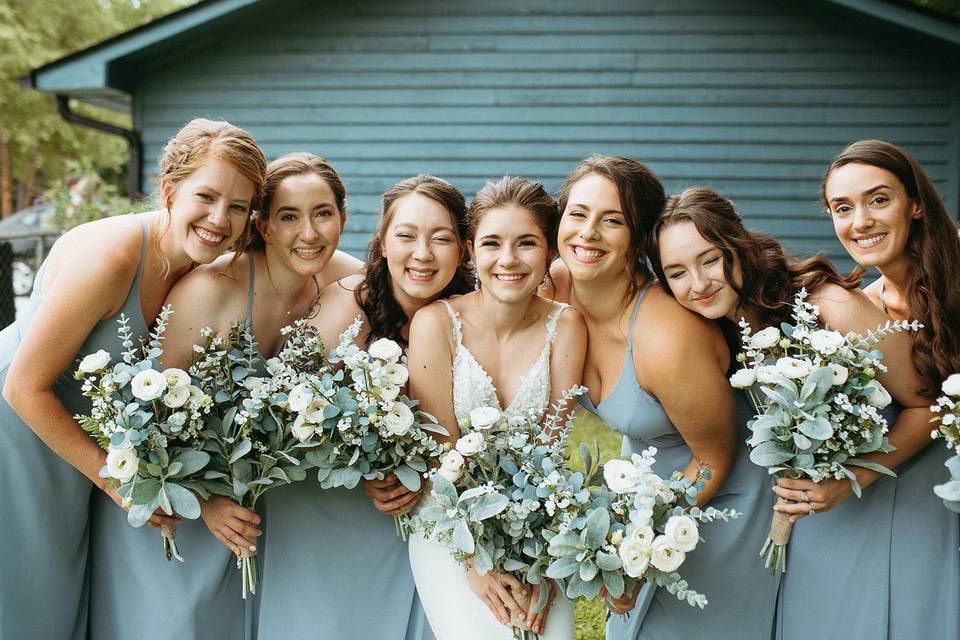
{"points": [[36, 146]]}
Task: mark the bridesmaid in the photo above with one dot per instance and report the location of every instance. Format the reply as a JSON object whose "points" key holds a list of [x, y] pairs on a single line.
{"points": [[211, 177], [841, 555], [507, 347], [657, 374], [888, 215], [334, 566], [294, 237]]}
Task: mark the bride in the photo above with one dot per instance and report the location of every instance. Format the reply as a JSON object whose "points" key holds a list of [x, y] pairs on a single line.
{"points": [[497, 352]]}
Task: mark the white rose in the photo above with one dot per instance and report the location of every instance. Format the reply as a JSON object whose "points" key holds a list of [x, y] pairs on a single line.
{"points": [[300, 398], [470, 444], [451, 465], [482, 418], [743, 379], [682, 532], [397, 374], [177, 397], [664, 556], [399, 419], [826, 342], [767, 374], [389, 393], [386, 350], [301, 429], [643, 536], [122, 463], [951, 386], [878, 396], [635, 558], [621, 476], [148, 385], [176, 377], [94, 361], [794, 368], [765, 339], [839, 373]]}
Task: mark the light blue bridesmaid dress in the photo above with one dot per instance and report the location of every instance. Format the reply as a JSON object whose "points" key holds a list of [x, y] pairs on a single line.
{"points": [[885, 566], [333, 567], [45, 502], [137, 592], [726, 567]]}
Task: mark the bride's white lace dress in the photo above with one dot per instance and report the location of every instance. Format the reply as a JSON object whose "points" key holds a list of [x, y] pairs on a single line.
{"points": [[453, 609]]}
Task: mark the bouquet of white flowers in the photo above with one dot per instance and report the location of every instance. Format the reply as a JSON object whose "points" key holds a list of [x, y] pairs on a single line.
{"points": [[497, 492], [820, 404], [151, 423], [635, 526], [948, 419], [374, 430], [252, 442]]}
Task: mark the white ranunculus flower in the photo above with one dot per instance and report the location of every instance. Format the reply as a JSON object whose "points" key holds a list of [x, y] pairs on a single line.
{"points": [[794, 368], [94, 362], [451, 465], [765, 338], [386, 350], [196, 394], [878, 396], [471, 444], [399, 419], [621, 476], [122, 463], [839, 373], [300, 398], [826, 341], [635, 557], [314, 412], [644, 536], [397, 374], [664, 556], [767, 374], [176, 377], [148, 385], [951, 386], [177, 397], [389, 393], [482, 418], [682, 532], [743, 379], [301, 429]]}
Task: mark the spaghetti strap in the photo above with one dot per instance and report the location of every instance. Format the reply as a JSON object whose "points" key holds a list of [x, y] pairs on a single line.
{"points": [[143, 250], [633, 315], [457, 335], [250, 284], [552, 323]]}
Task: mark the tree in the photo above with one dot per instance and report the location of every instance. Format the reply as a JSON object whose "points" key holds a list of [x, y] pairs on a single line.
{"points": [[36, 145]]}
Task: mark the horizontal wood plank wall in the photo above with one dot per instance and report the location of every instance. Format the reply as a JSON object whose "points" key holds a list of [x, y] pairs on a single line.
{"points": [[752, 98]]}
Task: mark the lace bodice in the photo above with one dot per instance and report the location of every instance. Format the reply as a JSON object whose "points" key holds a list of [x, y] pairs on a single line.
{"points": [[473, 387]]}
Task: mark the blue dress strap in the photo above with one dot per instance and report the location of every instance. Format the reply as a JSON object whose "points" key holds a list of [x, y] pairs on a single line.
{"points": [[633, 315]]}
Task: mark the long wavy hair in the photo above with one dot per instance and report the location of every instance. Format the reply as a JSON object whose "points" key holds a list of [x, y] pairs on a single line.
{"points": [[375, 294], [933, 251], [641, 199], [764, 276]]}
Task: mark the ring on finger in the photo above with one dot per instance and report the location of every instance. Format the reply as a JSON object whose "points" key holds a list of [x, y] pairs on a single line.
{"points": [[810, 507], [805, 496]]}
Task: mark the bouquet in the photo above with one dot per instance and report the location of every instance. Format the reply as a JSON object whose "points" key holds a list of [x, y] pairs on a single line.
{"points": [[497, 491], [151, 423], [635, 526], [820, 405], [948, 419], [252, 442], [375, 431]]}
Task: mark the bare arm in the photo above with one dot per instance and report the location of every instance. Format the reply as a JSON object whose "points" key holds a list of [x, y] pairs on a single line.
{"points": [[568, 356], [431, 374]]}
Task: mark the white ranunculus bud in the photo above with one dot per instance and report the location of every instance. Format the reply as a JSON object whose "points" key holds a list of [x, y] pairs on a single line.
{"points": [[471, 444], [794, 368], [397, 374], [765, 338], [122, 463], [767, 374], [826, 342], [951, 386], [389, 393], [621, 476], [878, 396], [94, 362], [635, 557], [682, 532], [451, 465], [148, 385], [664, 556], [176, 377], [743, 379], [299, 398], [177, 397], [482, 418], [386, 350], [399, 419], [839, 373]]}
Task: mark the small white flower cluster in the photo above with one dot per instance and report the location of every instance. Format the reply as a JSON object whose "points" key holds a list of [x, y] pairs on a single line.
{"points": [[947, 409]]}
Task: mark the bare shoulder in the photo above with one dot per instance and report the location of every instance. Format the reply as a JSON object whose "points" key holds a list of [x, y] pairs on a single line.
{"points": [[557, 286], [569, 320], [666, 331], [116, 242], [433, 316], [845, 309], [341, 265]]}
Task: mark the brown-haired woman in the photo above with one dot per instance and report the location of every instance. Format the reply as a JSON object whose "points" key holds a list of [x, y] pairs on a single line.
{"points": [[839, 564], [888, 215], [501, 346], [211, 177], [334, 566]]}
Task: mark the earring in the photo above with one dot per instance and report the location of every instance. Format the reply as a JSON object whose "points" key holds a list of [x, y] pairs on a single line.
{"points": [[476, 280]]}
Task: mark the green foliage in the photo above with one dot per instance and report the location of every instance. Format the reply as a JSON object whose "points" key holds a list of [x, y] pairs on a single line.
{"points": [[103, 202]]}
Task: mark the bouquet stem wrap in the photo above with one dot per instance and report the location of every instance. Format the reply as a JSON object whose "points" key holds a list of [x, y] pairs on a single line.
{"points": [[519, 633], [250, 572], [774, 551], [169, 534]]}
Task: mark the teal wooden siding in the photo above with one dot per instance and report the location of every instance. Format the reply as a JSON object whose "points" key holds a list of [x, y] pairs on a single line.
{"points": [[750, 97]]}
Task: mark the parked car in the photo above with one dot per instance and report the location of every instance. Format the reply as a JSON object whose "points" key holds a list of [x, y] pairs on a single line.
{"points": [[30, 232]]}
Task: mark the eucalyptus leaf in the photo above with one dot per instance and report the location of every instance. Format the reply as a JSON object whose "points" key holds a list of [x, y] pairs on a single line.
{"points": [[563, 567], [482, 560], [410, 478], [462, 538], [184, 503], [613, 581], [770, 453], [192, 461], [873, 466], [242, 449], [139, 514], [597, 528]]}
